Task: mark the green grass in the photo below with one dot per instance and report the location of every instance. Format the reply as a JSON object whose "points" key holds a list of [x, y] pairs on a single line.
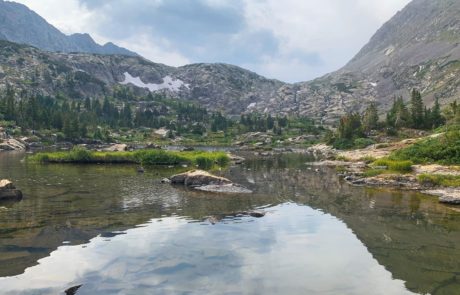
{"points": [[443, 150], [440, 180], [404, 166], [204, 160], [373, 172]]}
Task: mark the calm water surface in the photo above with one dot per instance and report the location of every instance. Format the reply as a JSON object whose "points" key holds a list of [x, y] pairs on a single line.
{"points": [[114, 231]]}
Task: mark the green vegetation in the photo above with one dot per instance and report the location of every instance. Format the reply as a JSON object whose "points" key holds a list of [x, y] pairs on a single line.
{"points": [[354, 129], [204, 160], [373, 172], [438, 179], [392, 165], [127, 117]]}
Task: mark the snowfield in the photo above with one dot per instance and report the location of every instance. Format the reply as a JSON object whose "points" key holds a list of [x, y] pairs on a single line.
{"points": [[168, 83]]}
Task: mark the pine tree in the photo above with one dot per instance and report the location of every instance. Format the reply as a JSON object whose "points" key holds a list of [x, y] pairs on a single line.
{"points": [[417, 109], [371, 118], [436, 117]]}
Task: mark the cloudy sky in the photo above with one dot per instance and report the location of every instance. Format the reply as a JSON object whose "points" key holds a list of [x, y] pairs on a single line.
{"points": [[290, 40]]}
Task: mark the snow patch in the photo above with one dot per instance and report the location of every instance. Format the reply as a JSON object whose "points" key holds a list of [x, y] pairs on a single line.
{"points": [[373, 84], [252, 105], [168, 83]]}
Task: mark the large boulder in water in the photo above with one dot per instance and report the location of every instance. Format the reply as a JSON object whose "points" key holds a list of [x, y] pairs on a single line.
{"points": [[8, 191], [198, 178], [204, 181]]}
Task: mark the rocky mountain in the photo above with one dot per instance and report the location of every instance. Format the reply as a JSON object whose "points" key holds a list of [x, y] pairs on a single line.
{"points": [[418, 47], [21, 25], [216, 86]]}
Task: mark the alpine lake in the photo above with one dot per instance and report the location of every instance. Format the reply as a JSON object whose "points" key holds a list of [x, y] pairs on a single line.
{"points": [[106, 229]]}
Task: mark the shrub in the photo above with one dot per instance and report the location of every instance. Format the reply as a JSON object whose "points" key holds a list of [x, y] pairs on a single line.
{"points": [[222, 160], [443, 150], [79, 154], [438, 179], [204, 163], [361, 143]]}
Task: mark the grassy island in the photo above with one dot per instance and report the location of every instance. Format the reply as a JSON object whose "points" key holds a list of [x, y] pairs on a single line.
{"points": [[144, 157]]}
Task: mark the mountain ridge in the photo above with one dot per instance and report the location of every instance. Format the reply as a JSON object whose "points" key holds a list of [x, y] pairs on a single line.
{"points": [[19, 24], [417, 48]]}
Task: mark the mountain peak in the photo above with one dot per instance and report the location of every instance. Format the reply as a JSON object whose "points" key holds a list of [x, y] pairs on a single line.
{"points": [[21, 25]]}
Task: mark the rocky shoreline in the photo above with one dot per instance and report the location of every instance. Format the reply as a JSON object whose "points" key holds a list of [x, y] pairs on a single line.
{"points": [[352, 168]]}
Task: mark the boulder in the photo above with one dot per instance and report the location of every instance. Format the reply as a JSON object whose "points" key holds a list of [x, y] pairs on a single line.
{"points": [[197, 178], [8, 191], [13, 145], [117, 148], [446, 195]]}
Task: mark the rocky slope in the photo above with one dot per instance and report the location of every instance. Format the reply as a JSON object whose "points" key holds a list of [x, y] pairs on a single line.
{"points": [[418, 47], [78, 75], [21, 25]]}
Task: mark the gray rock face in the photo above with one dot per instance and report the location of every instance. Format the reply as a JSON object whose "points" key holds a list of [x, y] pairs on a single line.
{"points": [[21, 25], [419, 47]]}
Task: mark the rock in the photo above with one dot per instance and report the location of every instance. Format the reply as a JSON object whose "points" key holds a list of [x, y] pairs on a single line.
{"points": [[13, 145], [206, 182], [446, 195], [117, 148], [322, 151], [8, 191], [188, 149], [236, 159], [198, 178], [153, 146], [73, 290], [6, 184], [224, 188], [257, 214]]}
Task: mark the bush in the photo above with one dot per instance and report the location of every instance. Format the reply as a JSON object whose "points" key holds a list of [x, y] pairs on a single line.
{"points": [[222, 160], [79, 154], [398, 166], [361, 143], [443, 150], [438, 179], [204, 162]]}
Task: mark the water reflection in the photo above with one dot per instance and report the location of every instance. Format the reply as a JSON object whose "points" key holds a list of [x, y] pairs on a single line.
{"points": [[293, 250], [320, 235]]}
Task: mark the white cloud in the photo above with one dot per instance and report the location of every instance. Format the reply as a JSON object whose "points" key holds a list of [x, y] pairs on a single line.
{"points": [[314, 37]]}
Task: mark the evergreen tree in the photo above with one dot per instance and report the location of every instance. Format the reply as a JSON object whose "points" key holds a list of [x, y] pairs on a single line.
{"points": [[417, 109], [436, 117], [371, 118]]}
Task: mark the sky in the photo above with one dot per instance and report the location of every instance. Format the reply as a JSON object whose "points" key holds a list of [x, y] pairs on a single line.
{"points": [[289, 40]]}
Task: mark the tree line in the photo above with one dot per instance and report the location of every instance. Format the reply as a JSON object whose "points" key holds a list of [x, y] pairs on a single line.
{"points": [[416, 115]]}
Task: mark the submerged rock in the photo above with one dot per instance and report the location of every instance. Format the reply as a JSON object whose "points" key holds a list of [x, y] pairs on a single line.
{"points": [[8, 191], [225, 188], [204, 181]]}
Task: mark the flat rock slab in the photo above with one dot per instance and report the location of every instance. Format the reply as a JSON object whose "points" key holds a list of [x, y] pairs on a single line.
{"points": [[224, 188], [446, 195], [198, 178]]}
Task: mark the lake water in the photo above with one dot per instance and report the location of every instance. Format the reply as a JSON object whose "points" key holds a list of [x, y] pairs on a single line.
{"points": [[114, 231]]}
